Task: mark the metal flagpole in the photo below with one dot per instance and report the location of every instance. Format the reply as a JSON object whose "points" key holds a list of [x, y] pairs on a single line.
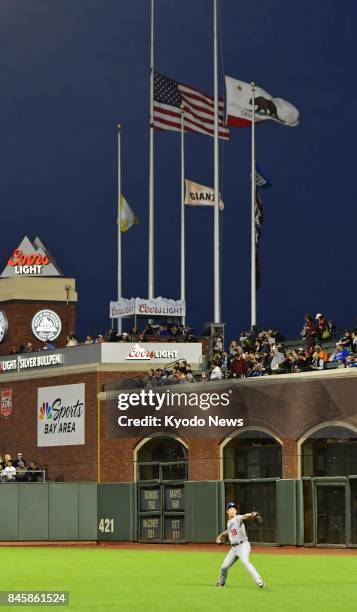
{"points": [[217, 267], [151, 277], [119, 227], [253, 288], [183, 254]]}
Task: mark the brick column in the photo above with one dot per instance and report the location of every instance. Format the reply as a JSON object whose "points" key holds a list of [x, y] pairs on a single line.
{"points": [[290, 458], [203, 457]]}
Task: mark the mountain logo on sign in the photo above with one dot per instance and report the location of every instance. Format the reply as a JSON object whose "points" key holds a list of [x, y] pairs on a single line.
{"points": [[46, 325], [45, 412]]}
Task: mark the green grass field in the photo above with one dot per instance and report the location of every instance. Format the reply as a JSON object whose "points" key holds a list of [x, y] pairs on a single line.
{"points": [[151, 580]]}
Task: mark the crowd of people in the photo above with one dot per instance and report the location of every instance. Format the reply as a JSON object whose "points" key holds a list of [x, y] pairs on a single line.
{"points": [[255, 353], [172, 332], [17, 470], [263, 353]]}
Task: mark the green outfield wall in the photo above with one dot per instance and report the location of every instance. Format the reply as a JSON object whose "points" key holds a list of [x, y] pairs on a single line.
{"points": [[310, 511]]}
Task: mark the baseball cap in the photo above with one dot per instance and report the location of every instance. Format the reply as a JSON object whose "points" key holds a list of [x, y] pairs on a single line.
{"points": [[318, 315], [231, 505]]}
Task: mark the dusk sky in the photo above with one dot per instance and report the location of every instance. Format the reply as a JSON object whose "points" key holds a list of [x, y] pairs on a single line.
{"points": [[72, 69]]}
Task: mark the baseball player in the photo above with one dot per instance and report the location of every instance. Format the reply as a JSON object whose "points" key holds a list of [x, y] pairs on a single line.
{"points": [[240, 547]]}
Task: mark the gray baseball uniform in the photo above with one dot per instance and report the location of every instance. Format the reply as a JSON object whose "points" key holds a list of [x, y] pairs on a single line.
{"points": [[240, 549]]}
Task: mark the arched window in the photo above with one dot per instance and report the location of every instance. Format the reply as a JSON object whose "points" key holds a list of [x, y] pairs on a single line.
{"points": [[162, 458], [330, 451], [252, 454]]}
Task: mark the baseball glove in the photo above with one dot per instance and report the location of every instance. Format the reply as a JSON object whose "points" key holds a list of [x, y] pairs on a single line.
{"points": [[257, 518]]}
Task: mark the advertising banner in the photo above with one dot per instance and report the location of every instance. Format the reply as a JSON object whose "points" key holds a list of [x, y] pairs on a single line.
{"points": [[159, 307], [61, 415]]}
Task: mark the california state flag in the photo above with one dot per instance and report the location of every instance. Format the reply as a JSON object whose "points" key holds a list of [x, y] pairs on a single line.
{"points": [[239, 105]]}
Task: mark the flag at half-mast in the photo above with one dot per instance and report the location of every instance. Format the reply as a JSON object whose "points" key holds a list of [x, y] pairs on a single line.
{"points": [[260, 183], [239, 105], [199, 195], [127, 217], [171, 96]]}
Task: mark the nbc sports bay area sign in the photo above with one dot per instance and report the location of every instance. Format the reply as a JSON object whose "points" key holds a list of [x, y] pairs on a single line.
{"points": [[3, 325], [46, 325], [61, 415]]}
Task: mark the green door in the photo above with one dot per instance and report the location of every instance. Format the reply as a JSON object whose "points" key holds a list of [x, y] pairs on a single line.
{"points": [[331, 515]]}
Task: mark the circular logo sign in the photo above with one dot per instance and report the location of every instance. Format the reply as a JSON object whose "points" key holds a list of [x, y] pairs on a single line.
{"points": [[46, 325], [3, 325]]}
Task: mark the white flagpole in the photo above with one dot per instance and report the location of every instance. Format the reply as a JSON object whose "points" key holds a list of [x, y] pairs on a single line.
{"points": [[183, 254], [119, 227], [217, 267], [253, 289], [151, 274]]}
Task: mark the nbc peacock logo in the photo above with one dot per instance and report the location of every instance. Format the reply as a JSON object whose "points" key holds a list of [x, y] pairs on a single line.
{"points": [[45, 412]]}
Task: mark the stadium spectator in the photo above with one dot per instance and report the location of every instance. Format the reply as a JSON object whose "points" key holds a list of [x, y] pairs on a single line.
{"points": [[340, 354], [72, 340], [204, 377], [234, 347], [189, 378], [190, 337], [323, 330], [317, 362], [148, 331], [278, 357], [351, 361], [34, 473], [123, 337], [19, 459], [110, 335], [215, 372], [9, 473], [149, 379], [256, 370], [308, 332], [29, 348], [238, 366], [354, 341], [346, 340], [322, 354], [89, 340], [21, 472], [48, 346], [164, 330], [99, 339]]}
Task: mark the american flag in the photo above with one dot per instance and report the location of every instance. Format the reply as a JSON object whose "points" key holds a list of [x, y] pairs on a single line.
{"points": [[198, 108]]}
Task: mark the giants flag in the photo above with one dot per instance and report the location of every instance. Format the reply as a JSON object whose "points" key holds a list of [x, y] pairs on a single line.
{"points": [[198, 108], [260, 183]]}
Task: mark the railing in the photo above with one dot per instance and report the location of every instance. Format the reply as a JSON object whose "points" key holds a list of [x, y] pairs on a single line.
{"points": [[24, 477]]}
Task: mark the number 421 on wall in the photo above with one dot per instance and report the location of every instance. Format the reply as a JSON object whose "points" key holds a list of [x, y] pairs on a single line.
{"points": [[106, 525]]}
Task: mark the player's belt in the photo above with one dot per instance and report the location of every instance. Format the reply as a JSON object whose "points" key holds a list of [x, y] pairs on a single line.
{"points": [[237, 543]]}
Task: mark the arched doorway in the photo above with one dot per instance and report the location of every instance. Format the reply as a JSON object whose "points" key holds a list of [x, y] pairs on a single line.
{"points": [[161, 458], [251, 462], [252, 454], [161, 473], [329, 470], [329, 450]]}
